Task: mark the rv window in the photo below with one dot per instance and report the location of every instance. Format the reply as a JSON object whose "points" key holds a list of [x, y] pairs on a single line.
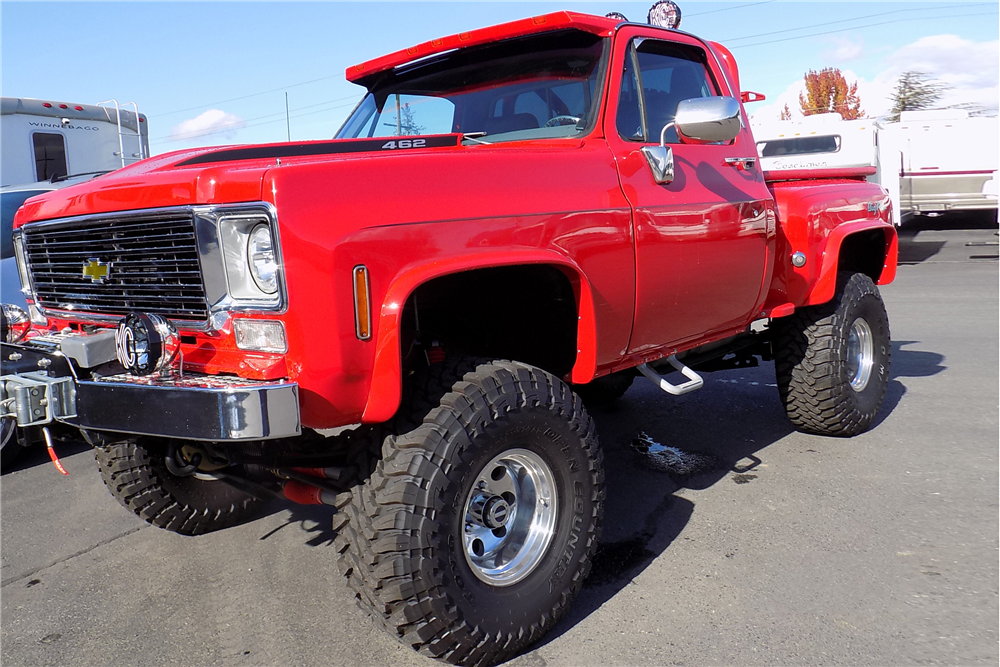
{"points": [[50, 155], [799, 146]]}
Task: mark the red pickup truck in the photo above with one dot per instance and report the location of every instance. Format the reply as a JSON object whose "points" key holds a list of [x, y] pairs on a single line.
{"points": [[511, 219]]}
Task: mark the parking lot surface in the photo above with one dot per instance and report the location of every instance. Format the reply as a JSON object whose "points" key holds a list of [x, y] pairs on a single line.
{"points": [[797, 549]]}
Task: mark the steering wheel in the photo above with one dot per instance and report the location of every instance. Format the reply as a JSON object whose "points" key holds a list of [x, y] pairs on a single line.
{"points": [[559, 121]]}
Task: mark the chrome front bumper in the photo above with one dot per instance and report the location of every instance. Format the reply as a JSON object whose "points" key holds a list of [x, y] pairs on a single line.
{"points": [[39, 387]]}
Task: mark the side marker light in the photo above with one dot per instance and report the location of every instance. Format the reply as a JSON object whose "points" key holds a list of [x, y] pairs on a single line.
{"points": [[362, 303]]}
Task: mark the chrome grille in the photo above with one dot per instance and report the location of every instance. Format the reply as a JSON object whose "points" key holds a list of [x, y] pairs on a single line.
{"points": [[153, 258]]}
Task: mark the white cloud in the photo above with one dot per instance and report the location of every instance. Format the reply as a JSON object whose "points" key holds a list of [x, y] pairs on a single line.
{"points": [[213, 121], [970, 69], [845, 50]]}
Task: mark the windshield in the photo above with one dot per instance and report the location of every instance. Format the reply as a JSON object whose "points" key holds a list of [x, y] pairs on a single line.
{"points": [[535, 87], [9, 203]]}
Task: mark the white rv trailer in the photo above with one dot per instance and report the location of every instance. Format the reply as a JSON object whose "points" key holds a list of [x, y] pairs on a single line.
{"points": [[43, 139], [826, 141], [949, 160], [929, 162]]}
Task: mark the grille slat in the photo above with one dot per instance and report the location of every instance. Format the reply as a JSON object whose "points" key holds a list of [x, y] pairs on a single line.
{"points": [[138, 248], [154, 265]]}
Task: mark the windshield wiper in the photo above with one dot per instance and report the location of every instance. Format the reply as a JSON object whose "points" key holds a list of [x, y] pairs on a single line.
{"points": [[472, 136]]}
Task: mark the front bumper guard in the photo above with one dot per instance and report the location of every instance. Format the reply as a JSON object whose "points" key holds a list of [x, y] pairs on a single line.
{"points": [[192, 407]]}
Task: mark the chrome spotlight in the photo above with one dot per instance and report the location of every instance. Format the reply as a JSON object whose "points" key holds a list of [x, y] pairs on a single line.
{"points": [[14, 323], [146, 343]]}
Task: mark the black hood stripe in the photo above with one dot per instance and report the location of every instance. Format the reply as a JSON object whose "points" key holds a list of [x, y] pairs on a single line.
{"points": [[323, 148]]}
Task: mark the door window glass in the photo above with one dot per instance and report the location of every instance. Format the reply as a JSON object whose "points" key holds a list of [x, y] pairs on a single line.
{"points": [[50, 155], [667, 74]]}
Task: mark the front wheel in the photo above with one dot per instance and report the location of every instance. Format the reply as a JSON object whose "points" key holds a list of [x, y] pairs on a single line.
{"points": [[832, 360], [137, 476], [476, 529]]}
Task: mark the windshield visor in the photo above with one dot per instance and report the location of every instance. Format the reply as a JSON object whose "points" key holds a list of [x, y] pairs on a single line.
{"points": [[542, 86]]}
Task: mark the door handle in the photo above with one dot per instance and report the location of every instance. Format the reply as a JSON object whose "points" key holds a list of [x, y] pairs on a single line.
{"points": [[742, 163]]}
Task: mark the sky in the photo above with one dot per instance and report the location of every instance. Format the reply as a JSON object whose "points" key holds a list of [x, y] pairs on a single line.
{"points": [[212, 73]]}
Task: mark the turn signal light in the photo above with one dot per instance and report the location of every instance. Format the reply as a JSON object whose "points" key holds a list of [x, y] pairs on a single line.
{"points": [[362, 303]]}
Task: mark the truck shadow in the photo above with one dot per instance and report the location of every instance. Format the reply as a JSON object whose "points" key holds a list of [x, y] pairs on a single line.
{"points": [[732, 420]]}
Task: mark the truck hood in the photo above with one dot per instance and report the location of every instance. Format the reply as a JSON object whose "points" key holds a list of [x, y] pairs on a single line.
{"points": [[218, 175]]}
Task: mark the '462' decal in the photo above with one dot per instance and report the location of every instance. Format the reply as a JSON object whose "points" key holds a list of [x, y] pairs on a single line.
{"points": [[404, 143]]}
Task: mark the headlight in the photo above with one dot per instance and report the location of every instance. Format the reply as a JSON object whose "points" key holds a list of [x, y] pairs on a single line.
{"points": [[260, 254], [252, 258]]}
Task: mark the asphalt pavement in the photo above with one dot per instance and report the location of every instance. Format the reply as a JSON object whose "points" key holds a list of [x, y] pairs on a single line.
{"points": [[797, 550]]}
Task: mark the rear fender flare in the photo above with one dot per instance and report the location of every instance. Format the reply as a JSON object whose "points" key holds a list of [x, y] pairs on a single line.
{"points": [[826, 282], [386, 386]]}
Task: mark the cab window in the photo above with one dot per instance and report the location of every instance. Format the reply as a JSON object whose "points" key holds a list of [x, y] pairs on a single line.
{"points": [[659, 75]]}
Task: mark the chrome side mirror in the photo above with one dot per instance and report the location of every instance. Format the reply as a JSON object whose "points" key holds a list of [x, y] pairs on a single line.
{"points": [[707, 120], [702, 120]]}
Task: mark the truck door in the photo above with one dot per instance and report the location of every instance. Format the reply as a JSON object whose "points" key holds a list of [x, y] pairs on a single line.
{"points": [[702, 240]]}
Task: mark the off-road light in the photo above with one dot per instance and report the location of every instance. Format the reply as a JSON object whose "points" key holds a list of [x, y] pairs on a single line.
{"points": [[618, 16], [260, 335], [260, 255], [146, 343], [14, 323], [665, 14]]}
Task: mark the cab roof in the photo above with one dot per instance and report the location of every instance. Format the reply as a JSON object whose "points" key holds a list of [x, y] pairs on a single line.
{"points": [[597, 25]]}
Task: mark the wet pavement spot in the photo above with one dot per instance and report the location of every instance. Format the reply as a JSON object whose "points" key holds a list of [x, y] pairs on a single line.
{"points": [[614, 560], [33, 582], [672, 460], [743, 478]]}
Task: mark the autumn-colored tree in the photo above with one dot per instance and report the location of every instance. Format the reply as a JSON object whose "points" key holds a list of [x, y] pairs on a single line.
{"points": [[786, 113], [827, 91]]}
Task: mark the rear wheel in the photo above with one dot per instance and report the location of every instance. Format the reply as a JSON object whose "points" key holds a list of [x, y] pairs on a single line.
{"points": [[10, 448], [477, 528], [137, 476], [832, 360]]}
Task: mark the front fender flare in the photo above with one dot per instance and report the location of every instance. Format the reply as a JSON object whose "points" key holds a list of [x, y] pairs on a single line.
{"points": [[386, 386]]}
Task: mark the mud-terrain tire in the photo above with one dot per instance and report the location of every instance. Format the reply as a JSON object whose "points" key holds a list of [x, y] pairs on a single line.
{"points": [[406, 538], [134, 472], [605, 390], [832, 360], [10, 449]]}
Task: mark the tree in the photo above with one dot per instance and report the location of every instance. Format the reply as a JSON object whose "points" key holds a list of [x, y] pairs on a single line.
{"points": [[827, 91], [786, 113], [915, 90], [407, 124]]}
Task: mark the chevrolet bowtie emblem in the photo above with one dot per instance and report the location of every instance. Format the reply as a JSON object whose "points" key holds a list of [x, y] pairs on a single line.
{"points": [[96, 270]]}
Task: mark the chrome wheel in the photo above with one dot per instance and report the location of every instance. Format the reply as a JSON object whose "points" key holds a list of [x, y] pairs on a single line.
{"points": [[510, 517], [860, 354]]}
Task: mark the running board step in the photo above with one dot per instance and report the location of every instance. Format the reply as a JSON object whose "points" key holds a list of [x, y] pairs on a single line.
{"points": [[694, 382]]}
